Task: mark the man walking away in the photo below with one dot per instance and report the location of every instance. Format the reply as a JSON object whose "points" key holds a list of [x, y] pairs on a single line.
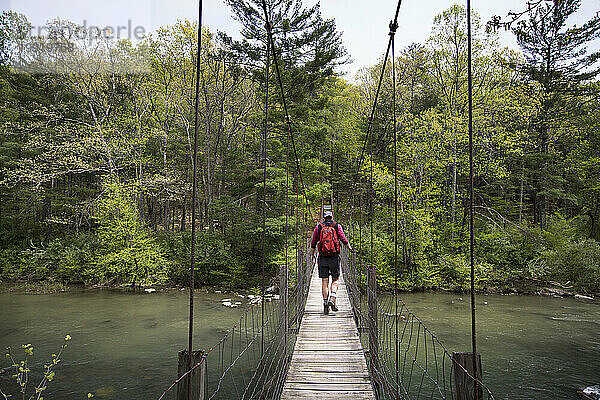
{"points": [[328, 235]]}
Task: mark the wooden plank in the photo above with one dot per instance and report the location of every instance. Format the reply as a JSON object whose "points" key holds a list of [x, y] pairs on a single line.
{"points": [[343, 379], [293, 394], [330, 386], [328, 368], [328, 359], [325, 346]]}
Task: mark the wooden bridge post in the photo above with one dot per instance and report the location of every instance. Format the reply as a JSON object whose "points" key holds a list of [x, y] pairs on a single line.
{"points": [[354, 289], [299, 282], [464, 386], [196, 380], [372, 323], [309, 264], [283, 299]]}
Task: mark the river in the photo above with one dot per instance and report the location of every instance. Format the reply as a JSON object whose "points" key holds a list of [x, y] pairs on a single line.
{"points": [[125, 345]]}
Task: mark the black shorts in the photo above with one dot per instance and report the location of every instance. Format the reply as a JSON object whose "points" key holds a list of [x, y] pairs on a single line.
{"points": [[329, 265]]}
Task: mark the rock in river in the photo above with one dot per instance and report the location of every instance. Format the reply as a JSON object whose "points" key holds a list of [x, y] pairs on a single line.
{"points": [[592, 392]]}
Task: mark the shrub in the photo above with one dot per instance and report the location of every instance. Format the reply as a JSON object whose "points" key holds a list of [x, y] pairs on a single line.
{"points": [[215, 262], [577, 262]]}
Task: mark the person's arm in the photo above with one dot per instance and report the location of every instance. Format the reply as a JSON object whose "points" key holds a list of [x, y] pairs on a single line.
{"points": [[313, 242], [343, 238]]}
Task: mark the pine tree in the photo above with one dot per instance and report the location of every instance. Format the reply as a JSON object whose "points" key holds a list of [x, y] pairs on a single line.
{"points": [[305, 43], [557, 59]]}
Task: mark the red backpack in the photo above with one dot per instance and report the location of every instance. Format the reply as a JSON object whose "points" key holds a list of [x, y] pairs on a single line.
{"points": [[329, 245]]}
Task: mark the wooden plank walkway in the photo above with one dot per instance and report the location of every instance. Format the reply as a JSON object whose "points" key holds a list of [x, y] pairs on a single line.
{"points": [[328, 361]]}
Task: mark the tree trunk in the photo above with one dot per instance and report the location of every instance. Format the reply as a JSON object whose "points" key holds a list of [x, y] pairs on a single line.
{"points": [[594, 229], [521, 191], [182, 226], [166, 215], [173, 218], [453, 194]]}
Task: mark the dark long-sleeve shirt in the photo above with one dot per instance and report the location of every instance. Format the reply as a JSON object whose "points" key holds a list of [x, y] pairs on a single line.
{"points": [[317, 233]]}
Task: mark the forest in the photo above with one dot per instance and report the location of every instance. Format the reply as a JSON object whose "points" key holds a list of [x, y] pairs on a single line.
{"points": [[96, 152]]}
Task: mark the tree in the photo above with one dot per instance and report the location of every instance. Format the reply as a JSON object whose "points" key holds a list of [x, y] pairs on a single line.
{"points": [[448, 49], [14, 28], [128, 253], [556, 58]]}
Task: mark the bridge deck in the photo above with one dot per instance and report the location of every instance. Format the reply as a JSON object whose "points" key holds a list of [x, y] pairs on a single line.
{"points": [[328, 361]]}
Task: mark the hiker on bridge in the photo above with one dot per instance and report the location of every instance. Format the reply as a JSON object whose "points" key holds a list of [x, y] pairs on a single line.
{"points": [[328, 235]]}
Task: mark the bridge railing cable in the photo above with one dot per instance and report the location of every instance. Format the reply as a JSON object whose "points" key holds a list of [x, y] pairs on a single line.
{"points": [[405, 358], [250, 361], [425, 368]]}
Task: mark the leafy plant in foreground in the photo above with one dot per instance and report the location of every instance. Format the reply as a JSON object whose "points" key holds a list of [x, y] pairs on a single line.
{"points": [[22, 371]]}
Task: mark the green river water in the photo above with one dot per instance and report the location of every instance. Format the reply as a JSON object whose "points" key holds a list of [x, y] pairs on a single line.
{"points": [[125, 345]]}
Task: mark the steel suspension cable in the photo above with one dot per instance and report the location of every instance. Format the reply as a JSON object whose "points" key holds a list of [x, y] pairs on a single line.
{"points": [[374, 108], [287, 268], [194, 189], [471, 201], [283, 99], [264, 206], [297, 212], [393, 28]]}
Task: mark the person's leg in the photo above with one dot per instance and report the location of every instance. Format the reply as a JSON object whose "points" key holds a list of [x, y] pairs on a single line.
{"points": [[333, 293], [324, 275], [325, 288], [335, 275], [334, 286]]}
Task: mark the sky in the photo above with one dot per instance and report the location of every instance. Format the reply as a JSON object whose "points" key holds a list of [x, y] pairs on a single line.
{"points": [[363, 23]]}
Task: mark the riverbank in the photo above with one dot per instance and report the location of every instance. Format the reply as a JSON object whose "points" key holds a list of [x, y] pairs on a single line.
{"points": [[45, 287]]}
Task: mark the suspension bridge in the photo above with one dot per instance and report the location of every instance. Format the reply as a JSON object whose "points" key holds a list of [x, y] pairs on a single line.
{"points": [[374, 347]]}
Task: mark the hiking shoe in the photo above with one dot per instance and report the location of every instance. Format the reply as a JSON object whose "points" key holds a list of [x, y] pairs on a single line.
{"points": [[332, 304], [326, 309]]}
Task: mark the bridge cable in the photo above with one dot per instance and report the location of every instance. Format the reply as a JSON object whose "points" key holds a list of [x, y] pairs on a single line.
{"points": [[264, 201], [194, 189], [368, 139], [393, 27], [359, 165], [284, 294], [471, 201], [271, 49], [373, 109], [284, 101]]}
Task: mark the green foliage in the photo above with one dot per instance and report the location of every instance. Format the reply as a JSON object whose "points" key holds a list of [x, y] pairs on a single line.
{"points": [[65, 259], [95, 168], [128, 253], [560, 254], [23, 373], [577, 263], [215, 263]]}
